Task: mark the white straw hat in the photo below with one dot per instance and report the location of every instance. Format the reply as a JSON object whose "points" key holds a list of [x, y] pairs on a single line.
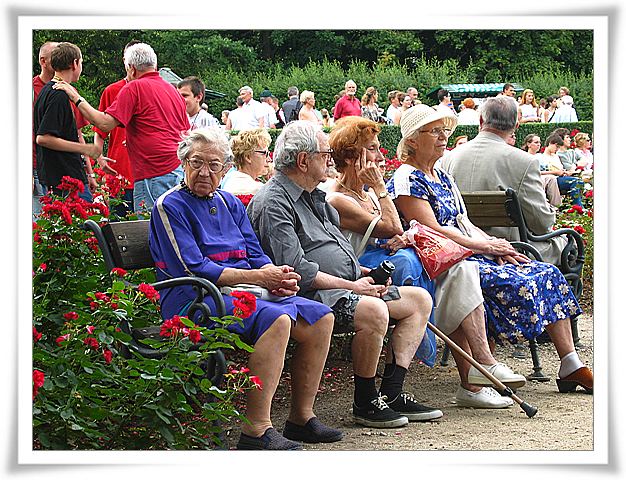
{"points": [[416, 117]]}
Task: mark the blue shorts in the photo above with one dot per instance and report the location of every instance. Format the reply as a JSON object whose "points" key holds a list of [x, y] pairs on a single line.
{"points": [[149, 190]]}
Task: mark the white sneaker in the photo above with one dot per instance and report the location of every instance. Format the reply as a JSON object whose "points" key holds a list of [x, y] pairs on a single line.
{"points": [[500, 371], [487, 397]]}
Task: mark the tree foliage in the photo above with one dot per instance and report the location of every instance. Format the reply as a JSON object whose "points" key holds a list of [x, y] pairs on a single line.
{"points": [[321, 60]]}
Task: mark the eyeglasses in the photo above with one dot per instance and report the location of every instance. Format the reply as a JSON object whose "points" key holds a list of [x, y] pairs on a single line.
{"points": [[265, 153], [325, 154], [437, 131], [214, 167]]}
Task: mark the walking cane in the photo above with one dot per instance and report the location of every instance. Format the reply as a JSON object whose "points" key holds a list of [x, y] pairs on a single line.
{"points": [[528, 409]]}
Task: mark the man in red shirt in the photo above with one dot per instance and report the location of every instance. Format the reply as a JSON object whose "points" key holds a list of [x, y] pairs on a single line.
{"points": [[155, 118], [348, 105], [116, 162]]}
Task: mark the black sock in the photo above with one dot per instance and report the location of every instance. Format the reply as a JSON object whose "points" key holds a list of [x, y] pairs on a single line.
{"points": [[393, 380], [364, 390]]}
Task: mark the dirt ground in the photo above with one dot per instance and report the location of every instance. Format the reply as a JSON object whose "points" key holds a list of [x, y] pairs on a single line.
{"points": [[563, 421]]}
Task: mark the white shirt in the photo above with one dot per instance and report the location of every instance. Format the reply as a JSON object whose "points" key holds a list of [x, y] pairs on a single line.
{"points": [[251, 113], [269, 115], [202, 119], [468, 116]]}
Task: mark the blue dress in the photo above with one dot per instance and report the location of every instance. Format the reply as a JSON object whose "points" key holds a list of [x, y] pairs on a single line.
{"points": [[194, 236], [409, 271], [519, 300]]}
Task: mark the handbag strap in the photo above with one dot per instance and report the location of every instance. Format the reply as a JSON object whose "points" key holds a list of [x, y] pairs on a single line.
{"points": [[367, 236]]}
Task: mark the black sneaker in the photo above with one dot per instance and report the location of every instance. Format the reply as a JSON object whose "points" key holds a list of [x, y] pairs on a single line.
{"points": [[406, 405], [270, 440], [378, 415]]}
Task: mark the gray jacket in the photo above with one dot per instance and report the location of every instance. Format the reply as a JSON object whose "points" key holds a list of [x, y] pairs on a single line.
{"points": [[488, 163]]}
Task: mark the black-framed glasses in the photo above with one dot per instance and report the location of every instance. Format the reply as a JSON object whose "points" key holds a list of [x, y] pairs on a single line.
{"points": [[214, 167], [437, 131], [325, 154], [265, 153]]}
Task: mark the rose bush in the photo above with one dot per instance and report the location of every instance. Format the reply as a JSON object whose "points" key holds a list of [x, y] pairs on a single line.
{"points": [[86, 394]]}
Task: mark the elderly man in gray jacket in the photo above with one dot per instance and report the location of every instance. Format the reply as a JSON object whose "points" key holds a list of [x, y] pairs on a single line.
{"points": [[488, 163]]}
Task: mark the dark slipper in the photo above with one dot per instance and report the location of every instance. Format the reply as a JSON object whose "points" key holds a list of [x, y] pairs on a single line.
{"points": [[270, 440], [313, 431]]}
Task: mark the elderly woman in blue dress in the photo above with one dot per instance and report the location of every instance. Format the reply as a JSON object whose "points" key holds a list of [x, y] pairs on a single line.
{"points": [[197, 229], [357, 155], [521, 298]]}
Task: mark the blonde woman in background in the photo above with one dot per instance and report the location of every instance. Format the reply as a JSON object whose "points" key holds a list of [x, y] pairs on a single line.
{"points": [[528, 110], [307, 112], [252, 160]]}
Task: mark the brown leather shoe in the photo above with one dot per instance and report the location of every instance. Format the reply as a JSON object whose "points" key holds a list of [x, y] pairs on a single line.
{"points": [[581, 377]]}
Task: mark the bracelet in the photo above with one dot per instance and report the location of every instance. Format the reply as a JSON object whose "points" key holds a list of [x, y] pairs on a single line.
{"points": [[77, 102]]}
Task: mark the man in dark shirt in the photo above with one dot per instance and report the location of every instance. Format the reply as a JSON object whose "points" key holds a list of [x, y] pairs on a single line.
{"points": [[297, 227], [59, 148]]}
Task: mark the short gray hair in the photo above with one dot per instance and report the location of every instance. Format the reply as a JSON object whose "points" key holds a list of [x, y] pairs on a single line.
{"points": [[141, 56], [296, 137], [208, 136], [499, 113], [292, 91]]}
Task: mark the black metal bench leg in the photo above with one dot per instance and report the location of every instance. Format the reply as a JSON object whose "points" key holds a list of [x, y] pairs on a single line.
{"points": [[575, 336], [445, 356], [537, 374]]}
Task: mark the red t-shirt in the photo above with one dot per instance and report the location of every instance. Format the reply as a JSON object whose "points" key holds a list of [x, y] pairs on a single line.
{"points": [[155, 118], [347, 106], [80, 120], [117, 137]]}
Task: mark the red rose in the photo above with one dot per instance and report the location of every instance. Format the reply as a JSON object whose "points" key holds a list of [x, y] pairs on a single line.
{"points": [[258, 383], [171, 327], [580, 229], [195, 336], [43, 267], [108, 356], [92, 343], [120, 272], [244, 303], [36, 335], [149, 291], [62, 338], [245, 370], [38, 381], [70, 316], [90, 329]]}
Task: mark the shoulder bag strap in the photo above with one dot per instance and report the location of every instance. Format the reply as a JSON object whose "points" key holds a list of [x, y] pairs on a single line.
{"points": [[366, 237]]}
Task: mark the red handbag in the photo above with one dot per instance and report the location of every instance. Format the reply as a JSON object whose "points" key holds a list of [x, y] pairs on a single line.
{"points": [[436, 251]]}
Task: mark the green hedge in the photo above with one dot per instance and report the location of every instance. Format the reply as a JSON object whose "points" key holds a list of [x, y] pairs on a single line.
{"points": [[390, 134]]}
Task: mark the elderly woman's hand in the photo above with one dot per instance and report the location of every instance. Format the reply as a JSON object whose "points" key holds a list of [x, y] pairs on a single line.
{"points": [[515, 259], [497, 247], [396, 242], [280, 280], [368, 172]]}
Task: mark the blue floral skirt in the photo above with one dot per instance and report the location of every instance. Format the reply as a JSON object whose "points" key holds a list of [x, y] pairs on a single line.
{"points": [[520, 300]]}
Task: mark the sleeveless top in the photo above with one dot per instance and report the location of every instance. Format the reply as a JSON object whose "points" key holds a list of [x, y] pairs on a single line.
{"points": [[528, 111], [355, 238]]}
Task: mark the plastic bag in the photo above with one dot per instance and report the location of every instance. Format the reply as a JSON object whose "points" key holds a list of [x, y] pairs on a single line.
{"points": [[437, 252]]}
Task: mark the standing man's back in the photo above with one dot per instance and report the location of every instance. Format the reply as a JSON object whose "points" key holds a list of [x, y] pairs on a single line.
{"points": [[155, 118], [488, 163]]}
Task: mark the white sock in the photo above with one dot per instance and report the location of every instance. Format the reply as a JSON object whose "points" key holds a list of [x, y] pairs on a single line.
{"points": [[569, 364]]}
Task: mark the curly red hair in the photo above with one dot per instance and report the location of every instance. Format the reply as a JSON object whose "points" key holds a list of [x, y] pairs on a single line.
{"points": [[348, 137]]}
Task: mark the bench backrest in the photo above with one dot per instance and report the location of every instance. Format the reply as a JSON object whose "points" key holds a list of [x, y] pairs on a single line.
{"points": [[488, 209], [129, 243]]}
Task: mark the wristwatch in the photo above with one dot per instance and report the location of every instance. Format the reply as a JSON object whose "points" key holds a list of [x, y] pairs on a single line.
{"points": [[383, 194]]}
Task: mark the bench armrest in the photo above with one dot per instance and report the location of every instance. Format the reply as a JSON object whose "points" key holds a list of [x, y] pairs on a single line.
{"points": [[573, 255]]}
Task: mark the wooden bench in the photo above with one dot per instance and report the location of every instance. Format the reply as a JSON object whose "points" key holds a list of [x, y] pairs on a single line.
{"points": [[125, 245], [502, 209]]}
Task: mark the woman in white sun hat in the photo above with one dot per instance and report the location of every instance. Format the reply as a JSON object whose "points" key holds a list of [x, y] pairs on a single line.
{"points": [[520, 297]]}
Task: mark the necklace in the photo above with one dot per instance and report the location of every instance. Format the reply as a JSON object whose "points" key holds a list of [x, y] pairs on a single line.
{"points": [[186, 188], [362, 198], [195, 117]]}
